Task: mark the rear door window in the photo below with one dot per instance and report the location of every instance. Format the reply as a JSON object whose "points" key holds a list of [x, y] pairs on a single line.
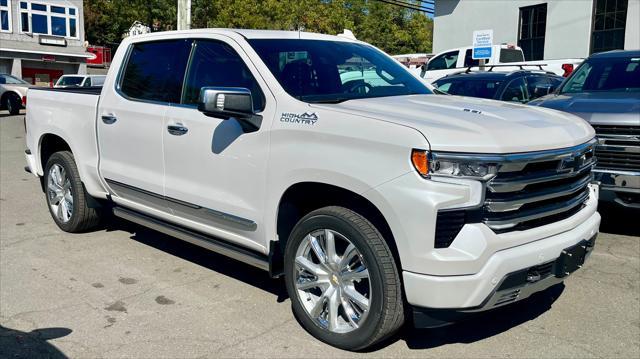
{"points": [[155, 70], [538, 86], [485, 88]]}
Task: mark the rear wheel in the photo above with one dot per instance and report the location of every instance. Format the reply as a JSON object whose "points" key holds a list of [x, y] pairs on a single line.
{"points": [[12, 103], [66, 197], [342, 279]]}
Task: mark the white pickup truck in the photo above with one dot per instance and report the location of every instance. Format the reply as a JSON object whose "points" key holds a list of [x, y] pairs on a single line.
{"points": [[371, 196], [503, 58]]}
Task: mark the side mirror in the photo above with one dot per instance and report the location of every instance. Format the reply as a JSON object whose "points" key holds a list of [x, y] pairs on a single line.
{"points": [[230, 102]]}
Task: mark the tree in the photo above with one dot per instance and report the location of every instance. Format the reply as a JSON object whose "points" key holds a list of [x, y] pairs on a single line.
{"points": [[392, 28]]}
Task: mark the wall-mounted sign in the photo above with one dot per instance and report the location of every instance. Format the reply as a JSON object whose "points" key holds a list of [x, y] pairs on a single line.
{"points": [[52, 40]]}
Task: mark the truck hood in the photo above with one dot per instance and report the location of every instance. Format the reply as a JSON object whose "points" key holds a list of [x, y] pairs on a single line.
{"points": [[597, 107], [464, 124]]}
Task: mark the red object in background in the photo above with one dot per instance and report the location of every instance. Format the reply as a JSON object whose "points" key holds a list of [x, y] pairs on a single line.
{"points": [[102, 56], [41, 77], [568, 69]]}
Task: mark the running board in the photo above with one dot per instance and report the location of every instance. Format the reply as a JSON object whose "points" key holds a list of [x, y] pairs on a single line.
{"points": [[227, 249]]}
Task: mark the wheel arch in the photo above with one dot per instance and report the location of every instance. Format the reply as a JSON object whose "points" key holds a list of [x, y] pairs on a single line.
{"points": [[49, 144], [301, 198]]}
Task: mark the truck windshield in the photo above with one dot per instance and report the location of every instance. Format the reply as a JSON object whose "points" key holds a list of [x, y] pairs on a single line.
{"points": [[320, 71], [605, 74], [70, 81]]}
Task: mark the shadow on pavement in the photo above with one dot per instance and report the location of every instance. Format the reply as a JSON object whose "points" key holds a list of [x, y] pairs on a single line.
{"points": [[202, 257], [483, 325], [619, 220], [476, 327], [17, 344]]}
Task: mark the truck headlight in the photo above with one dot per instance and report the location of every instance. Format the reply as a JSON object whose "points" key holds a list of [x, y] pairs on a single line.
{"points": [[451, 165]]}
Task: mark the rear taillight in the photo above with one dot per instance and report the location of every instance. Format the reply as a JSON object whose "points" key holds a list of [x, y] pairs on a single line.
{"points": [[568, 69], [24, 101]]}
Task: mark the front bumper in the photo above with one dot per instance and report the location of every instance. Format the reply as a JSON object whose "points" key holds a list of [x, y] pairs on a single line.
{"points": [[621, 187], [479, 291]]}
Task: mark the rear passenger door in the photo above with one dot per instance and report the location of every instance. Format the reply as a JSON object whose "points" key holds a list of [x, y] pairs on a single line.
{"points": [[131, 121]]}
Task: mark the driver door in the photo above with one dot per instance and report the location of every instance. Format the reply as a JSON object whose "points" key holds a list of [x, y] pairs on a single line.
{"points": [[215, 173]]}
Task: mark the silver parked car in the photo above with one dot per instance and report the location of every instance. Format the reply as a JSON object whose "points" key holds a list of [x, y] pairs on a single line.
{"points": [[12, 92], [605, 91]]}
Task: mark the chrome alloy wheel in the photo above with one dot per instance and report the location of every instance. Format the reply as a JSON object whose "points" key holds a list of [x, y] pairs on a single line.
{"points": [[332, 281], [59, 193]]}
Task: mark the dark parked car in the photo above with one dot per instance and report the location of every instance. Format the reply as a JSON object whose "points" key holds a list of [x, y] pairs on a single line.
{"points": [[517, 86], [605, 90]]}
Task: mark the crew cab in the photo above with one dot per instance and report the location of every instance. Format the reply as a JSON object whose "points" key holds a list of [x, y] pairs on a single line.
{"points": [[371, 196], [454, 60]]}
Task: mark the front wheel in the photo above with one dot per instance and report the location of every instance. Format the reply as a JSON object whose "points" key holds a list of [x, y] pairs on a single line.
{"points": [[342, 279], [66, 197]]}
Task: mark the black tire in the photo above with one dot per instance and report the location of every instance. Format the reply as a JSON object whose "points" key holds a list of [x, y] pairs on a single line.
{"points": [[83, 217], [12, 103], [386, 312]]}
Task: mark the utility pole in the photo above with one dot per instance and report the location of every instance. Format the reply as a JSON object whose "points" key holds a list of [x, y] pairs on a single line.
{"points": [[184, 14]]}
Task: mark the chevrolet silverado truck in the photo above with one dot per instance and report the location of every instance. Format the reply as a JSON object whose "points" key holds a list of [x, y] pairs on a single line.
{"points": [[377, 201], [605, 91]]}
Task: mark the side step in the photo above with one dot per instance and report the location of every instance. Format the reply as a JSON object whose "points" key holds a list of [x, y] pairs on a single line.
{"points": [[227, 249]]}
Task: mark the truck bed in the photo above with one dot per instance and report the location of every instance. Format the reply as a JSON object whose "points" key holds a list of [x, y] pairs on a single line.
{"points": [[93, 90]]}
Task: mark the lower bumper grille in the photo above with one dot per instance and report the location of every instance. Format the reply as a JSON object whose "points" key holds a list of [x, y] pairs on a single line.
{"points": [[618, 147]]}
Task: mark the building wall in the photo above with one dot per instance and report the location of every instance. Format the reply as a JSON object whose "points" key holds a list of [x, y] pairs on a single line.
{"points": [[632, 32], [568, 32], [19, 50]]}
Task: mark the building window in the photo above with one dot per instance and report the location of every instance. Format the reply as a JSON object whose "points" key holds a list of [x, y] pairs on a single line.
{"points": [[609, 21], [5, 15], [48, 19], [533, 25]]}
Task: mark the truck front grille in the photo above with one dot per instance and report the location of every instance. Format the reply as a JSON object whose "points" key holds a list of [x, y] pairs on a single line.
{"points": [[531, 191], [618, 147]]}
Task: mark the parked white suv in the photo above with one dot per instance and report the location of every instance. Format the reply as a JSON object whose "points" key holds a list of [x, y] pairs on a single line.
{"points": [[369, 195]]}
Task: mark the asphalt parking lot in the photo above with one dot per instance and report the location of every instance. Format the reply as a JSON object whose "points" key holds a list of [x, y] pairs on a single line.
{"points": [[125, 291]]}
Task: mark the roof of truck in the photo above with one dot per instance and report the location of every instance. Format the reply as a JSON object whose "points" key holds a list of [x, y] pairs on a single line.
{"points": [[255, 34]]}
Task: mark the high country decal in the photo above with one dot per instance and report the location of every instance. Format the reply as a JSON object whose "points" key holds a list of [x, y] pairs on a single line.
{"points": [[307, 118]]}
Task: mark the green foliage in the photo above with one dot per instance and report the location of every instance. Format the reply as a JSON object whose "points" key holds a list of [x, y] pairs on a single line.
{"points": [[392, 28]]}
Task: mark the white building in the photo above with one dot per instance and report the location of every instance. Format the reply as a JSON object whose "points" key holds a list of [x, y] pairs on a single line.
{"points": [[40, 40], [548, 29]]}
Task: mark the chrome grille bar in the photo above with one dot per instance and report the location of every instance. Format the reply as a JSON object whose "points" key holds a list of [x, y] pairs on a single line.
{"points": [[535, 189], [514, 202]]}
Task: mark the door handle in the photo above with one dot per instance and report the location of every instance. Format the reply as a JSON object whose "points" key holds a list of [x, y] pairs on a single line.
{"points": [[109, 119], [177, 129]]}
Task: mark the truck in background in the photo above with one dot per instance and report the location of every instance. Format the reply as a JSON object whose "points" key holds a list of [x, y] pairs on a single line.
{"points": [[455, 60]]}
